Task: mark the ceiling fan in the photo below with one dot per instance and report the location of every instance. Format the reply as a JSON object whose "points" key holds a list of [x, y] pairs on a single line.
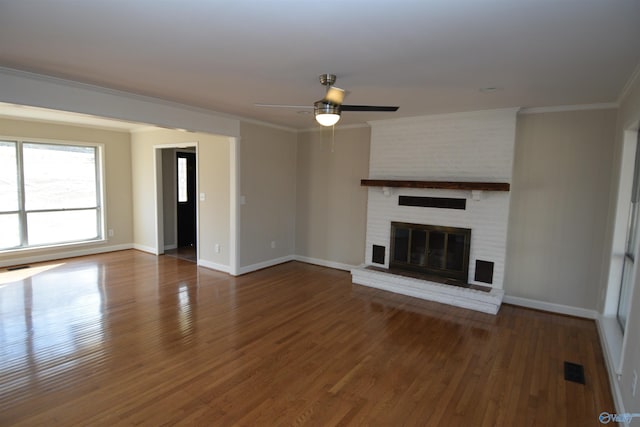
{"points": [[327, 110]]}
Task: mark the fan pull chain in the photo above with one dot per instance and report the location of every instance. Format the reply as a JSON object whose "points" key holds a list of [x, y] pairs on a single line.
{"points": [[333, 138]]}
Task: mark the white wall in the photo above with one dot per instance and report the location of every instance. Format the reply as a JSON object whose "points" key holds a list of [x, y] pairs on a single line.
{"points": [[461, 147]]}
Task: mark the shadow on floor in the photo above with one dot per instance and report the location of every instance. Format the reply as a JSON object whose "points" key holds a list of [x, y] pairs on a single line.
{"points": [[187, 253]]}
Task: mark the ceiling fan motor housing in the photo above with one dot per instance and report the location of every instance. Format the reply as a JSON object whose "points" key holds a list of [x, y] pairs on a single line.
{"points": [[324, 107]]}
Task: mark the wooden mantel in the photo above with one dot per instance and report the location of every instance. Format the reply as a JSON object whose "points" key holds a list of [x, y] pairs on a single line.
{"points": [[447, 185]]}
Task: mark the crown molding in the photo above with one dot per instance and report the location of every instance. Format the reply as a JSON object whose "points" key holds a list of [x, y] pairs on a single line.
{"points": [[561, 108], [267, 124], [441, 116]]}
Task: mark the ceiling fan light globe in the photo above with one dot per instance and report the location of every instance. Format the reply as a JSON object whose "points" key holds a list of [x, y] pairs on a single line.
{"points": [[327, 119]]}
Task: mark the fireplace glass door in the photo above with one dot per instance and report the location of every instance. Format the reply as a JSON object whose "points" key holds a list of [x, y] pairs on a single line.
{"points": [[429, 249]]}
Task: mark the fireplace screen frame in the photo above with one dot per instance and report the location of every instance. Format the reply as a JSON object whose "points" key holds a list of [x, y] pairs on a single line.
{"points": [[423, 266]]}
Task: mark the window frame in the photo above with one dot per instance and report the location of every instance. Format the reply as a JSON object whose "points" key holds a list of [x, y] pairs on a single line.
{"points": [[22, 213], [631, 246]]}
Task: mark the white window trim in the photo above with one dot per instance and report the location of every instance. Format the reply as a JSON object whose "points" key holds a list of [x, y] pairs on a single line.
{"points": [[100, 188]]}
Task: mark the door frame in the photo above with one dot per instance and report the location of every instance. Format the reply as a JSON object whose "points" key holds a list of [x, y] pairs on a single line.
{"points": [[159, 194]]}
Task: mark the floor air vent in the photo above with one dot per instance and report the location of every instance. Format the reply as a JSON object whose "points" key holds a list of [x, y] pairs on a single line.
{"points": [[574, 372]]}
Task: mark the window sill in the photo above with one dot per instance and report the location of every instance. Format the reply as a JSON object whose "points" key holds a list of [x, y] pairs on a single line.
{"points": [[36, 249]]}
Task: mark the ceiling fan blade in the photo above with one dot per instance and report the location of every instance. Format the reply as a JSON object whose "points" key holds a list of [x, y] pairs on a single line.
{"points": [[335, 95], [379, 108], [305, 107]]}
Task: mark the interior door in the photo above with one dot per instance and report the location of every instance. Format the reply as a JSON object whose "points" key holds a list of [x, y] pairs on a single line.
{"points": [[186, 175]]}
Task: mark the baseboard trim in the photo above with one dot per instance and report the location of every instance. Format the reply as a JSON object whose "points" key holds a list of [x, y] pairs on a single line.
{"points": [[144, 248], [214, 266], [169, 247], [551, 307], [604, 333], [52, 256], [264, 264], [325, 263]]}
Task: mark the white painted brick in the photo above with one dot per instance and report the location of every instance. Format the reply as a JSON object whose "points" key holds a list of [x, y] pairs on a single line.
{"points": [[476, 146], [462, 146]]}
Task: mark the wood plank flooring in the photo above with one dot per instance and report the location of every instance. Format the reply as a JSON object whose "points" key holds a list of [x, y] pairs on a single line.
{"points": [[128, 338]]}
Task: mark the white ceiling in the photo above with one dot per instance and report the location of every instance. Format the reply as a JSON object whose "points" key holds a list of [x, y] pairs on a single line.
{"points": [[427, 56]]}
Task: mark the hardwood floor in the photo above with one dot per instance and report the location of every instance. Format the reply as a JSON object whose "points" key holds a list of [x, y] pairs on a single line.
{"points": [[187, 253], [129, 338]]}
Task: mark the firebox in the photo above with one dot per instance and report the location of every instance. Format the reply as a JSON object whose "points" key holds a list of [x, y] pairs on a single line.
{"points": [[431, 249]]}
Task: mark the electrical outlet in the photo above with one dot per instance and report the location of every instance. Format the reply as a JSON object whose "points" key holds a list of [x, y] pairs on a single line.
{"points": [[217, 248], [110, 232], [634, 383], [273, 244]]}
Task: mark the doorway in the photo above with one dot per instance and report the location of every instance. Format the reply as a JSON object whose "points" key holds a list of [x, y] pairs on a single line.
{"points": [[181, 195], [177, 192], [208, 253], [186, 199]]}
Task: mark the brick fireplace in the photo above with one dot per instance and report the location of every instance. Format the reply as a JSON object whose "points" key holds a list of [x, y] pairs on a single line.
{"points": [[449, 171]]}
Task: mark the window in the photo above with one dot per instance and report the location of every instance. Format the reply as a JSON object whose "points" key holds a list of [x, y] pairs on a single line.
{"points": [[49, 194], [630, 253], [182, 180]]}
